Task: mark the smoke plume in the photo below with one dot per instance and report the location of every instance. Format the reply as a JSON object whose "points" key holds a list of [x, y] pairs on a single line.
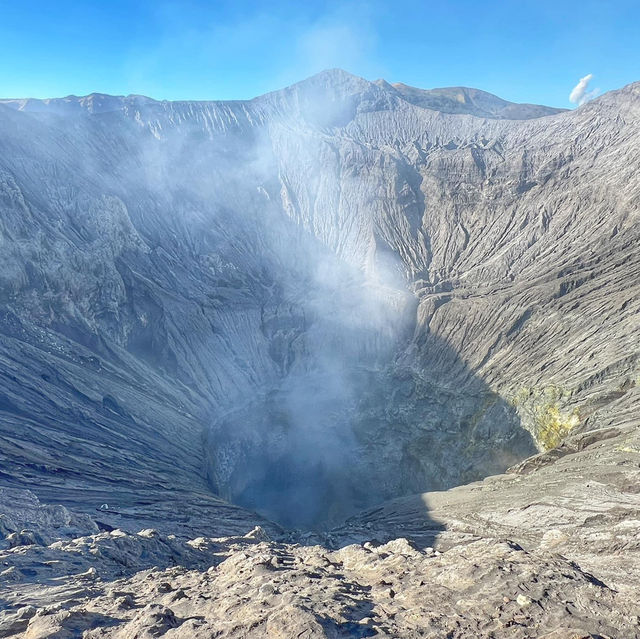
{"points": [[580, 93]]}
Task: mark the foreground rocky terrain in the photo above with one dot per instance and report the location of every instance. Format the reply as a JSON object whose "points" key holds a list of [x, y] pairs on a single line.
{"points": [[317, 305], [547, 550]]}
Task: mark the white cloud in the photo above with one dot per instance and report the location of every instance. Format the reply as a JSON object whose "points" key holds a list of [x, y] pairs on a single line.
{"points": [[580, 93]]}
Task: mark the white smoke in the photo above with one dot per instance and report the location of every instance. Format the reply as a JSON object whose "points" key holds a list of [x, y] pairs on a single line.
{"points": [[580, 93]]}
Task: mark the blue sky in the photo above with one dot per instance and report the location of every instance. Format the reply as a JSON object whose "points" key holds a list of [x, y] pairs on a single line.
{"points": [[523, 50]]}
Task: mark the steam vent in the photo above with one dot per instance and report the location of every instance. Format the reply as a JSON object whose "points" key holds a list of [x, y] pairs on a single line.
{"points": [[349, 359]]}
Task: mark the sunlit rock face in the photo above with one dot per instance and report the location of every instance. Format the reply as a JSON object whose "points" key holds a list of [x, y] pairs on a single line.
{"points": [[309, 302]]}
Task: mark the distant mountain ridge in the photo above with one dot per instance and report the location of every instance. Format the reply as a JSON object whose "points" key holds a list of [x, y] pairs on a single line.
{"points": [[470, 101], [451, 100]]}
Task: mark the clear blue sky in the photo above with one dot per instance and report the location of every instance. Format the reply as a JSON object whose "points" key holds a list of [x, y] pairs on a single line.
{"points": [[524, 50]]}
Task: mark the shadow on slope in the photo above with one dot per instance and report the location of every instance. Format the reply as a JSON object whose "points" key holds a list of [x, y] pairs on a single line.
{"points": [[153, 285], [313, 452]]}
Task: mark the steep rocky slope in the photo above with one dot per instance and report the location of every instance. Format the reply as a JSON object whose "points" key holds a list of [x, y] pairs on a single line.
{"points": [[307, 304], [380, 298]]}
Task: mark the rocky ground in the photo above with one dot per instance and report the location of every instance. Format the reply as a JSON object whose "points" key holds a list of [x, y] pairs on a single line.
{"points": [[486, 588], [550, 549]]}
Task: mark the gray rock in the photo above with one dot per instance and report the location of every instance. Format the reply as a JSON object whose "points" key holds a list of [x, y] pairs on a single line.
{"points": [[314, 304]]}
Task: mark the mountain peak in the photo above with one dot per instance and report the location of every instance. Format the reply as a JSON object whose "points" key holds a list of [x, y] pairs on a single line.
{"points": [[334, 79], [470, 101]]}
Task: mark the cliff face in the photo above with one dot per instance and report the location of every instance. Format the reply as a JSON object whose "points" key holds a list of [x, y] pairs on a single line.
{"points": [[312, 301], [305, 305]]}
